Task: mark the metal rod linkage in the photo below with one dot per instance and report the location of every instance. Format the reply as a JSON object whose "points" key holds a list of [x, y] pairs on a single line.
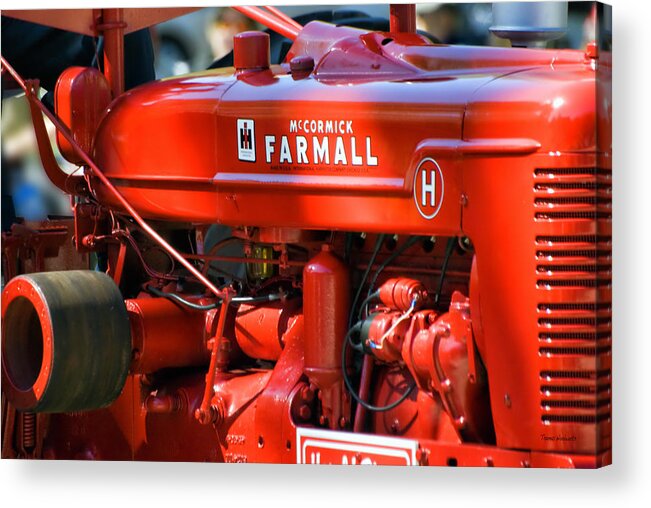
{"points": [[269, 20], [280, 14]]}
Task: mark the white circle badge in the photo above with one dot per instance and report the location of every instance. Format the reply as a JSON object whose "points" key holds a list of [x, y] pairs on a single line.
{"points": [[428, 188]]}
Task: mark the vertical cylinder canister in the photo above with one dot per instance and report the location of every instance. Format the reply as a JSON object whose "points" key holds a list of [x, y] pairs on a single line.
{"points": [[251, 51], [326, 302]]}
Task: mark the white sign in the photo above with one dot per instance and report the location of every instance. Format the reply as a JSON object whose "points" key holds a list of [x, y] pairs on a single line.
{"points": [[246, 139]]}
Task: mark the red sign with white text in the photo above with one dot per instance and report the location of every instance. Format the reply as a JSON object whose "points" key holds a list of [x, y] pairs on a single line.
{"points": [[317, 446]]}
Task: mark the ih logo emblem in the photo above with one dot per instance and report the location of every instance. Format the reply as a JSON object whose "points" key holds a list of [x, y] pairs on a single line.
{"points": [[428, 188], [246, 140]]}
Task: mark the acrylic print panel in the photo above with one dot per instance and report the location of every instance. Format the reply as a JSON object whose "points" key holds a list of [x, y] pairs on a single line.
{"points": [[312, 234]]}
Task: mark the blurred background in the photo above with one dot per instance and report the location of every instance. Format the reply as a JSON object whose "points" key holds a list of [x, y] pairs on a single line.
{"points": [[204, 39], [194, 41]]}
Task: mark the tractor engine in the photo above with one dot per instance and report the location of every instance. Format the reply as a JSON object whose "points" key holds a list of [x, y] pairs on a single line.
{"points": [[383, 250]]}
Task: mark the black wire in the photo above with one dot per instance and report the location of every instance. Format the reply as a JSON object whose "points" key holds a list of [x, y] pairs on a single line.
{"points": [[256, 299], [357, 347], [351, 390], [348, 246], [178, 299], [195, 306], [378, 245], [399, 251], [448, 252], [373, 296], [409, 243]]}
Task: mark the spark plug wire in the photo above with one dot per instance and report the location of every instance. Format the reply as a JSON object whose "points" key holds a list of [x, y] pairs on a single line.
{"points": [[236, 300]]}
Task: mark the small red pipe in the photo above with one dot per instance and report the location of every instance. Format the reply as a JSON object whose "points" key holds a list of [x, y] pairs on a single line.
{"points": [[65, 132], [70, 184], [402, 18], [269, 20], [113, 31]]}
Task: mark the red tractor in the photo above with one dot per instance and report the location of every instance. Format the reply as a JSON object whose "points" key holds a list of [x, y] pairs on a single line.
{"points": [[382, 250]]}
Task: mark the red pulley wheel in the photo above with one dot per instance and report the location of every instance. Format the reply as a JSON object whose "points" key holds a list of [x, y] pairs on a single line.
{"points": [[66, 343]]}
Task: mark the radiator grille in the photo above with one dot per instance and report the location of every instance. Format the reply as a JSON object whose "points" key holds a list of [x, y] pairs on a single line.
{"points": [[573, 279]]}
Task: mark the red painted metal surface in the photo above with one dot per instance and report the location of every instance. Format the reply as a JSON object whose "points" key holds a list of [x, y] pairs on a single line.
{"points": [[80, 98], [260, 330], [499, 158], [402, 18], [112, 25], [251, 51], [165, 335], [399, 293], [69, 183], [326, 290]]}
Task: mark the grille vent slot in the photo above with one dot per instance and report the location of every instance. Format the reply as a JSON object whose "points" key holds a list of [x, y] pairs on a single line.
{"points": [[588, 200], [574, 321], [592, 254], [596, 306], [553, 172], [589, 239], [593, 418], [575, 388], [574, 268], [552, 186], [572, 215], [586, 283], [578, 404], [574, 351], [573, 335], [581, 374]]}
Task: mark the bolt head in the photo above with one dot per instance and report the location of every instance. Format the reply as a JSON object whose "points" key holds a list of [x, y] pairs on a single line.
{"points": [[304, 412]]}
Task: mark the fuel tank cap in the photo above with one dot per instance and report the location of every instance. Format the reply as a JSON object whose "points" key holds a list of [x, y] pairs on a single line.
{"points": [[251, 51]]}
